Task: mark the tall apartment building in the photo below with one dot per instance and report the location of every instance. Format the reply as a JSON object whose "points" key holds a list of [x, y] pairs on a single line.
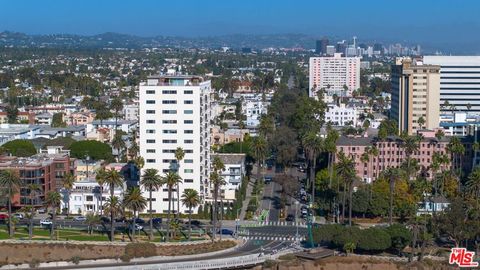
{"points": [[459, 82], [321, 46], [415, 95], [333, 74], [175, 111]]}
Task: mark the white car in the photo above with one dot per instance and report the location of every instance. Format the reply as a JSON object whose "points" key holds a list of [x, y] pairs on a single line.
{"points": [[46, 222], [18, 215], [80, 218], [137, 227]]}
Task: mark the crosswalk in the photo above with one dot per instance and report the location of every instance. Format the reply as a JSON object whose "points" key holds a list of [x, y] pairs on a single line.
{"points": [[275, 223], [273, 238]]}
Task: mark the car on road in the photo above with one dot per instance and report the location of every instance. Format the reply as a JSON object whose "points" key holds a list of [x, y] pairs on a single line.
{"points": [[197, 223], [226, 232], [137, 227], [290, 218], [139, 221], [105, 219], [42, 210], [3, 218], [46, 222], [268, 179], [18, 215], [120, 219], [80, 218], [156, 220]]}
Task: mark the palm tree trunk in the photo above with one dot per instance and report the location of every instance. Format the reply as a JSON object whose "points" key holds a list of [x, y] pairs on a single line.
{"points": [[168, 215], [133, 226], [343, 202], [215, 209], [312, 177], [101, 200], [258, 169], [112, 228], [190, 223], [151, 214], [390, 214], [68, 203], [329, 166], [10, 227], [350, 191], [54, 216], [178, 201]]}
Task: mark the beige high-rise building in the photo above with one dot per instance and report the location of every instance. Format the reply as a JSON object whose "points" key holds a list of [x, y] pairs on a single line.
{"points": [[415, 95]]}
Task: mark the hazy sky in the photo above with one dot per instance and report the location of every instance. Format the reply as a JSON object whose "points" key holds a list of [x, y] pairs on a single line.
{"points": [[439, 21]]}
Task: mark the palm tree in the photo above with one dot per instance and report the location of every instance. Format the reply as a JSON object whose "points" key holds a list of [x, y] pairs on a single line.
{"points": [[151, 180], [91, 221], [331, 147], [259, 147], [457, 150], [473, 183], [410, 145], [312, 144], [191, 200], [113, 179], [217, 181], [179, 155], [134, 201], [170, 179], [53, 200], [346, 170], [392, 175], [118, 143], [100, 178], [33, 190], [113, 207], [67, 183], [10, 181]]}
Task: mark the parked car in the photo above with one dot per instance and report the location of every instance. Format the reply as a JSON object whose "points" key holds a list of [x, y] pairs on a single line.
{"points": [[3, 218], [139, 221], [18, 215], [105, 219], [290, 218], [46, 222], [80, 218], [42, 210], [137, 227], [156, 220], [226, 232], [267, 179], [120, 219], [197, 223]]}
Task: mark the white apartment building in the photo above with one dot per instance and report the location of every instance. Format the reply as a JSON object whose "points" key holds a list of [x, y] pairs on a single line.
{"points": [[130, 112], [232, 174], [253, 110], [341, 115], [175, 111], [459, 82], [333, 73]]}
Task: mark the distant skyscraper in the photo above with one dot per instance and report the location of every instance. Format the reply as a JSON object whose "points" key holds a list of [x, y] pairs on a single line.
{"points": [[341, 47], [415, 95], [459, 82], [330, 50], [378, 47], [333, 74], [322, 46]]}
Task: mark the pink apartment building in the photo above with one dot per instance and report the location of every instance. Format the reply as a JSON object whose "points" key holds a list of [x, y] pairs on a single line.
{"points": [[390, 153]]}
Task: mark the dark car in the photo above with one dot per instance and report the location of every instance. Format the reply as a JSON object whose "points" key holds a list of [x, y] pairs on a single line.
{"points": [[105, 219], [120, 219], [290, 218], [197, 223], [139, 221], [3, 218], [156, 220], [267, 179], [226, 232]]}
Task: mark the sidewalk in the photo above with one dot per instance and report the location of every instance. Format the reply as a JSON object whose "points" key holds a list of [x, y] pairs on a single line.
{"points": [[248, 196]]}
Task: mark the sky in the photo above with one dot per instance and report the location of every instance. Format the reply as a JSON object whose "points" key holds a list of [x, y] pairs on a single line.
{"points": [[435, 21]]}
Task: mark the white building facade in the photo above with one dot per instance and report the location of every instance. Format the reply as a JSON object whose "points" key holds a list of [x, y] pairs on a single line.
{"points": [[334, 74], [175, 111], [341, 115]]}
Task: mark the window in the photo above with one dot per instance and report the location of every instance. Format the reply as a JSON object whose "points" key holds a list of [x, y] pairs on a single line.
{"points": [[188, 161], [150, 92], [188, 92], [169, 111], [168, 151], [150, 160], [169, 141], [150, 121], [188, 131], [89, 198], [188, 111], [150, 141], [150, 111], [188, 170], [188, 180], [188, 121], [169, 131], [169, 121], [150, 101], [169, 102], [188, 151], [169, 92], [188, 102], [169, 161], [188, 141], [150, 151], [151, 131]]}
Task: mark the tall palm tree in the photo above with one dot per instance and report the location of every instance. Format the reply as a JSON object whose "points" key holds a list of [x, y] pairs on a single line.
{"points": [[67, 183], [10, 181], [217, 181], [331, 148], [33, 191], [457, 150], [100, 178], [179, 155], [392, 175], [139, 162], [191, 200], [151, 180], [312, 144], [410, 145], [473, 183], [171, 179], [134, 201], [346, 170], [113, 179], [53, 200], [118, 143], [113, 207], [259, 147]]}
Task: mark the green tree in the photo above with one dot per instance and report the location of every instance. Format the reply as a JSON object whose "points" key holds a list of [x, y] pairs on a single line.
{"points": [[216, 181], [151, 180], [313, 145], [179, 155], [100, 177], [12, 113], [113, 179], [134, 200], [259, 147], [374, 240], [57, 120], [473, 184], [94, 149], [191, 200], [400, 236], [10, 182], [116, 105], [20, 148], [53, 200], [112, 207], [171, 179], [346, 170], [67, 184], [91, 221], [33, 194], [119, 144], [392, 175]]}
